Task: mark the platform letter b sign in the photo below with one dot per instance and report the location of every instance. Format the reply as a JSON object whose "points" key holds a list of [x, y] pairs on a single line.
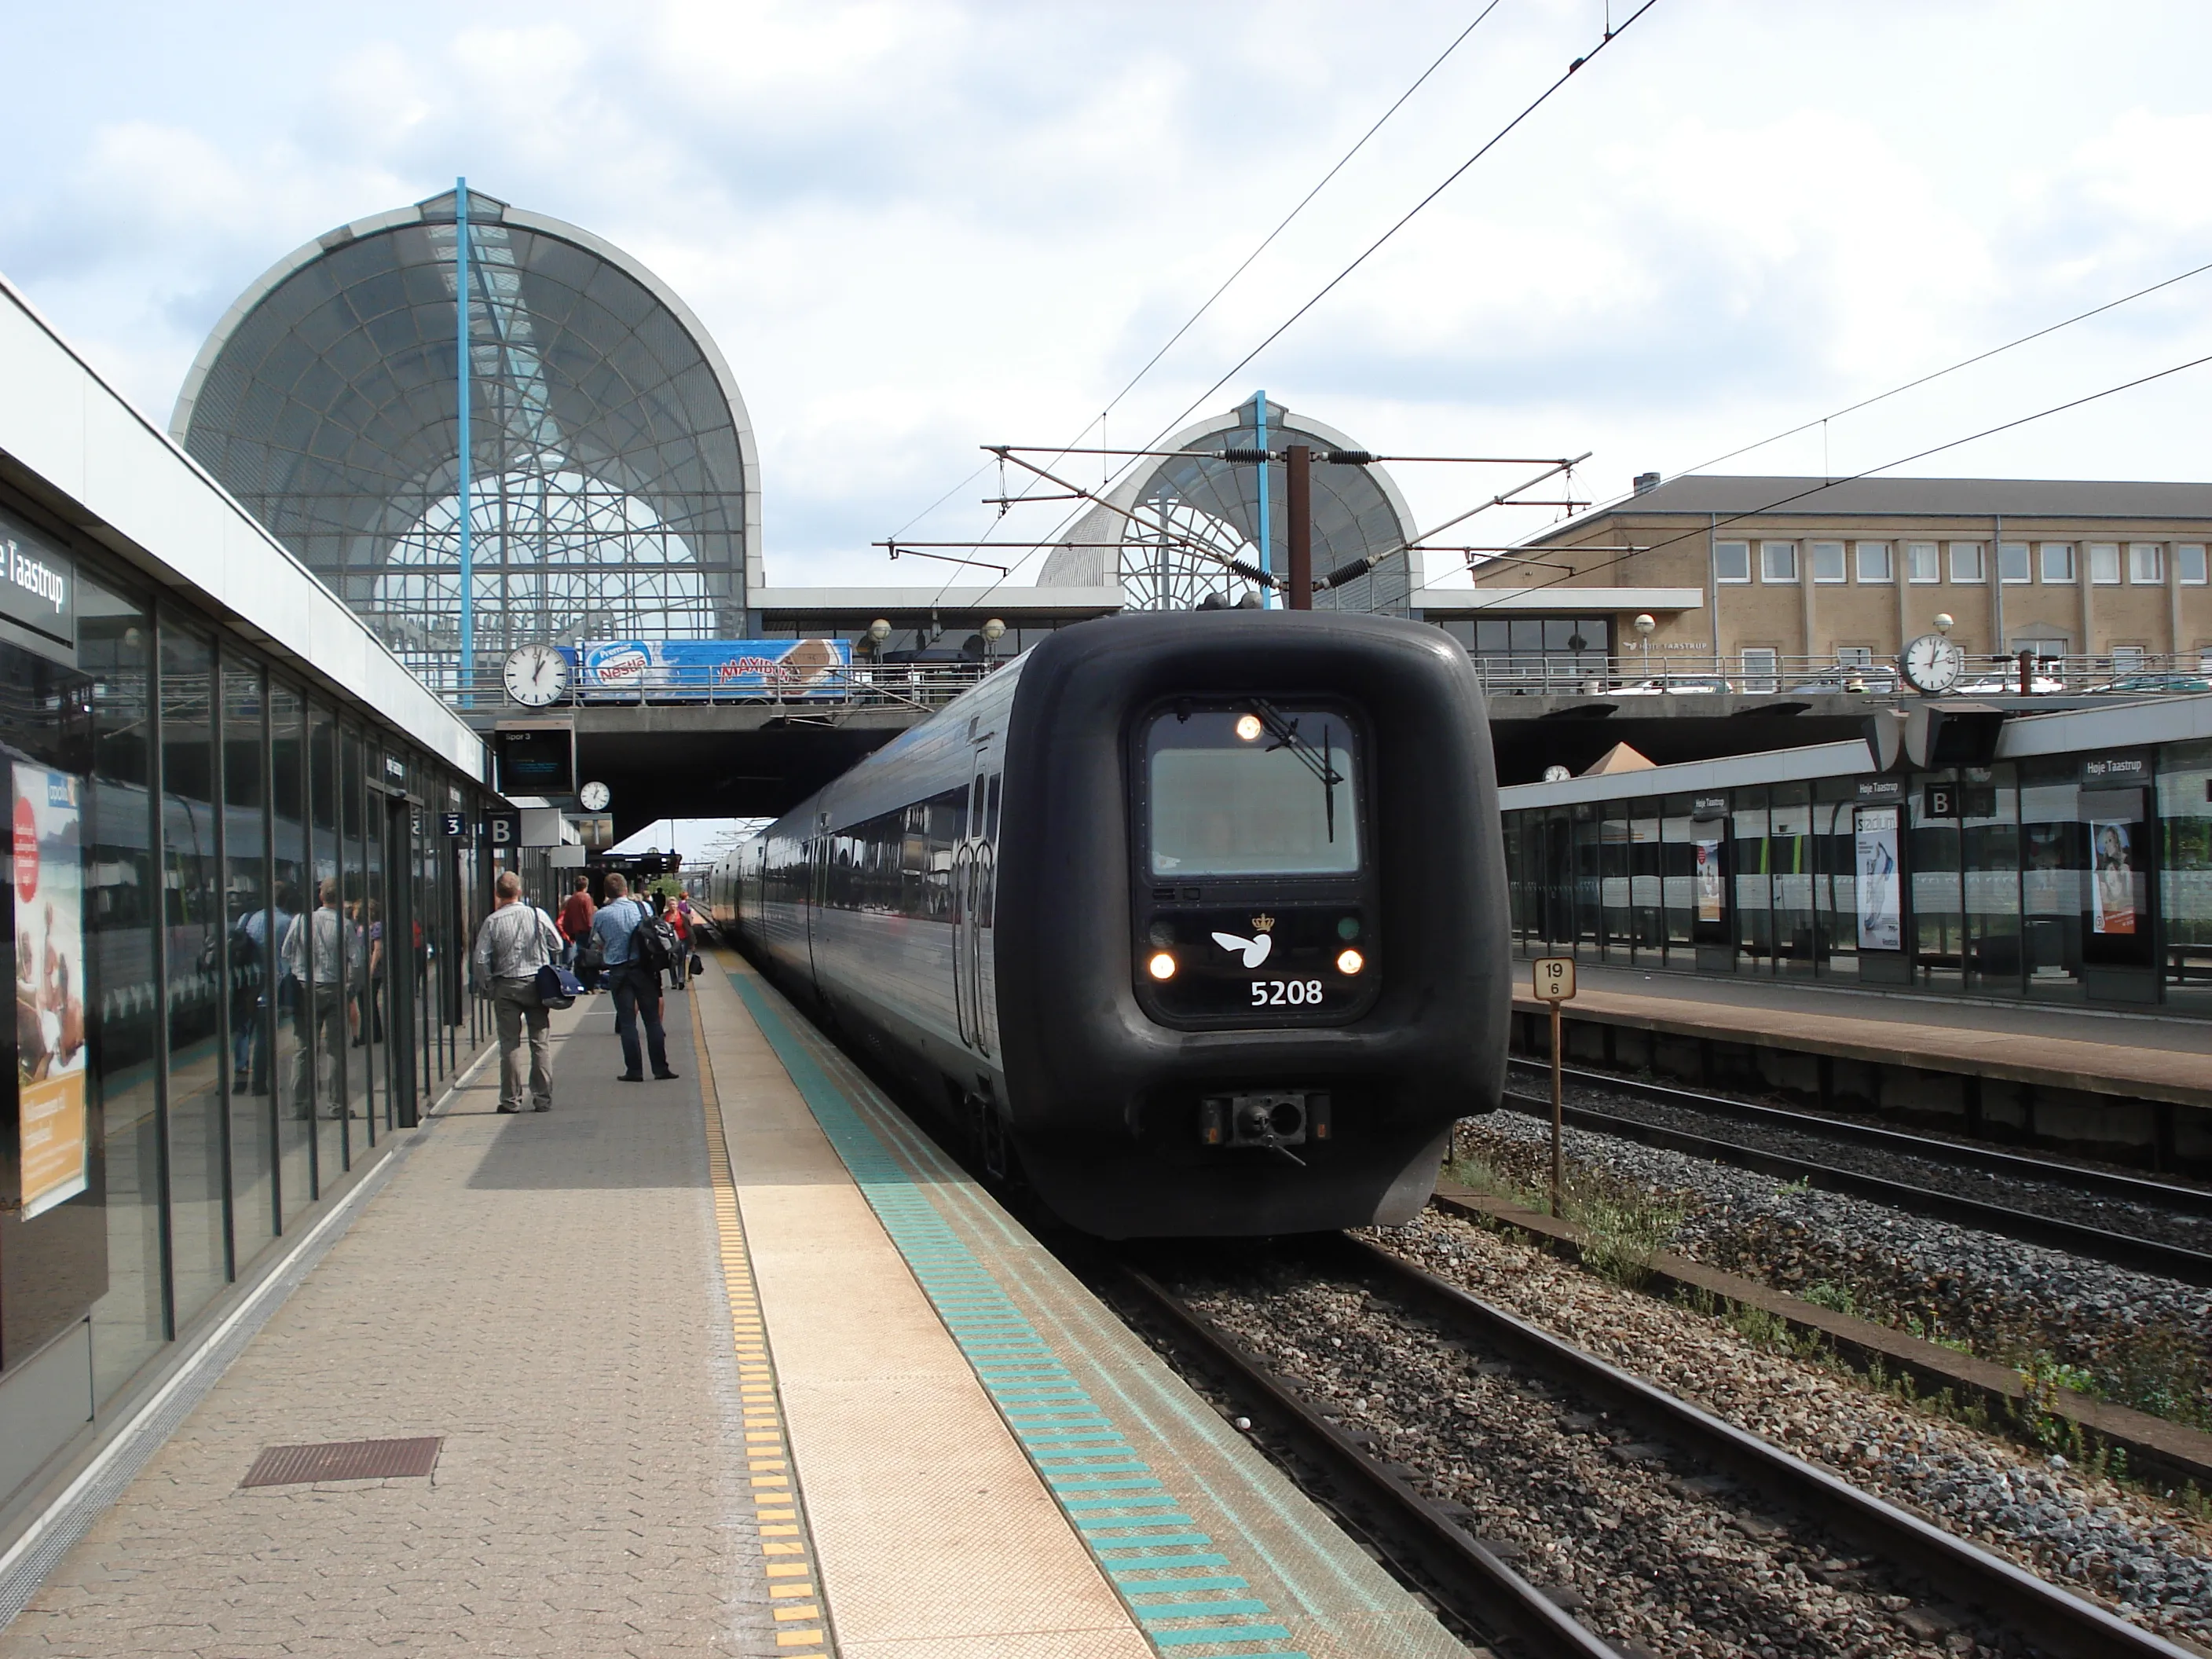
{"points": [[503, 829]]}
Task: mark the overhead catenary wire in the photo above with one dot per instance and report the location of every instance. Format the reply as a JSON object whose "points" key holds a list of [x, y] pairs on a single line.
{"points": [[1245, 264], [1794, 496], [1377, 245]]}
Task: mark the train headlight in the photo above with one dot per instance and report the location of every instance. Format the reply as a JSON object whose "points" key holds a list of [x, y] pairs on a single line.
{"points": [[1162, 965], [1350, 961], [1248, 727]]}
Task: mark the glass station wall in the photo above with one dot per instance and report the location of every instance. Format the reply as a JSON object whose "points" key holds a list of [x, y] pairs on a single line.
{"points": [[2083, 878], [215, 1021]]}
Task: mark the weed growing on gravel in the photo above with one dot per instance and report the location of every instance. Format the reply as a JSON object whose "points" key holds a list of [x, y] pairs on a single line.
{"points": [[1478, 1174], [1837, 1299], [1623, 1228]]}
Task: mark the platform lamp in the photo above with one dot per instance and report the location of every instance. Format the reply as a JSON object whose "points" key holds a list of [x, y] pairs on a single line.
{"points": [[878, 631], [1645, 621], [993, 631]]}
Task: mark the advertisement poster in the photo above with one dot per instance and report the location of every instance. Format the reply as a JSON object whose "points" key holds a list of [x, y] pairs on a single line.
{"points": [[1881, 896], [2113, 875], [791, 668], [1708, 883], [50, 1052]]}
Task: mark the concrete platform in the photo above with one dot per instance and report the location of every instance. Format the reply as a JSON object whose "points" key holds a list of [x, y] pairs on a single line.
{"points": [[735, 1365], [2140, 1056]]}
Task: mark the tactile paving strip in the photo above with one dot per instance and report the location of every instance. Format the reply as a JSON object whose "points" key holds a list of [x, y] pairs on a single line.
{"points": [[1175, 1579], [800, 1610]]}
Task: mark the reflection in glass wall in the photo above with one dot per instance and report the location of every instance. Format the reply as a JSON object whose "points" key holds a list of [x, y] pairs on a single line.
{"points": [[1988, 834], [115, 646], [193, 990], [2184, 811], [2052, 893], [1939, 924], [360, 902], [1789, 865], [1678, 878], [1754, 914], [248, 927], [323, 1033], [295, 886]]}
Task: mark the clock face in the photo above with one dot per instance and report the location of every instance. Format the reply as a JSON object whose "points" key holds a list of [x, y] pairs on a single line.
{"points": [[595, 797], [1933, 663], [536, 675]]}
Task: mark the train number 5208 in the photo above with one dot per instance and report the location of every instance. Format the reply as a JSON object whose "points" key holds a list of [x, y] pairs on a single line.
{"points": [[1276, 993]]}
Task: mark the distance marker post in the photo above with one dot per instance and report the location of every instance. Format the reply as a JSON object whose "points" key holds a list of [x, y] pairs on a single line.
{"points": [[1553, 982]]}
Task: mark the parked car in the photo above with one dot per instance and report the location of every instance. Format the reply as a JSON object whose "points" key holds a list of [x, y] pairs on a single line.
{"points": [[1675, 685]]}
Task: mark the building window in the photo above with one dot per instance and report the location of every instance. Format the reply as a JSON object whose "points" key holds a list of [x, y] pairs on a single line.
{"points": [[2042, 648], [1967, 562], [2058, 562], [2127, 659], [1827, 562], [1762, 666], [1777, 562], [2013, 563], [1874, 563], [1921, 563], [1855, 656], [1731, 561], [2189, 564], [2105, 563], [2146, 563]]}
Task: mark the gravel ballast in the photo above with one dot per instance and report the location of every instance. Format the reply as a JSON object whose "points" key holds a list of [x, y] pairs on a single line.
{"points": [[2144, 1341], [2150, 1560]]}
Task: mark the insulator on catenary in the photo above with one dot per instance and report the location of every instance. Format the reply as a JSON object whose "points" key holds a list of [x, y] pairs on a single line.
{"points": [[1349, 457], [1252, 573], [1251, 455], [1344, 573]]}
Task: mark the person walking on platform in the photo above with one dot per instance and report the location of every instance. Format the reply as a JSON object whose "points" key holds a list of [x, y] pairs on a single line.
{"points": [[516, 940], [315, 947], [672, 913], [636, 985], [575, 918]]}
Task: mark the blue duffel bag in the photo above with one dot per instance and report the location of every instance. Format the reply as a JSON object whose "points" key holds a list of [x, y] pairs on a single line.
{"points": [[558, 986]]}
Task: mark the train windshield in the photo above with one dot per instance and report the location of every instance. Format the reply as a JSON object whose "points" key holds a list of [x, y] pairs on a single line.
{"points": [[1255, 790]]}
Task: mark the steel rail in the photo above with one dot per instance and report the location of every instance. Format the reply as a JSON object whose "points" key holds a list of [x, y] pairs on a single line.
{"points": [[2053, 1621], [1416, 1535], [2146, 1255], [2188, 1200]]}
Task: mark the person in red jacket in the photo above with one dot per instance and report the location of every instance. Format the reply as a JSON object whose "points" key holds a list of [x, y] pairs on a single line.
{"points": [[575, 919], [673, 914]]}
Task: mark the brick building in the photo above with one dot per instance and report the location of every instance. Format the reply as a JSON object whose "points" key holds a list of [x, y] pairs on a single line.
{"points": [[1779, 573]]}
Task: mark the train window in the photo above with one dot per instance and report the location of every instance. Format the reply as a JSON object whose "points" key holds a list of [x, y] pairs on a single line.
{"points": [[991, 824], [1258, 790]]}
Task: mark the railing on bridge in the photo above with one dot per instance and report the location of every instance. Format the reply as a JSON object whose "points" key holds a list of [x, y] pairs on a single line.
{"points": [[932, 685], [1761, 673], [917, 685]]}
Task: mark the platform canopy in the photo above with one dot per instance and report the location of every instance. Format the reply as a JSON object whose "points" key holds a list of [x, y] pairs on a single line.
{"points": [[1191, 505], [615, 489]]}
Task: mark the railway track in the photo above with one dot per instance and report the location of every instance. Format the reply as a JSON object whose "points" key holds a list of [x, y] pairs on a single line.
{"points": [[1429, 1542], [2120, 1250]]}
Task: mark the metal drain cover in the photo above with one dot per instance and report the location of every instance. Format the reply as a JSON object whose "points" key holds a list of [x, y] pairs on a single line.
{"points": [[343, 1460]]}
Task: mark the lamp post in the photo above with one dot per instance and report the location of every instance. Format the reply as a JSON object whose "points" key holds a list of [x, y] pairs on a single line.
{"points": [[1645, 623], [993, 631]]}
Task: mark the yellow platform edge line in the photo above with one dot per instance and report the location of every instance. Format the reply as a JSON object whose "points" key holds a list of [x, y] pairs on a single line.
{"points": [[762, 1405]]}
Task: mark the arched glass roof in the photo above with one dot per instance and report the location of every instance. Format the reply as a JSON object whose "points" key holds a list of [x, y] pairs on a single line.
{"points": [[1198, 498], [614, 489]]}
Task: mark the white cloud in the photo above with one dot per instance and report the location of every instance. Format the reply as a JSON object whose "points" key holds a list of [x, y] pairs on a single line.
{"points": [[916, 227]]}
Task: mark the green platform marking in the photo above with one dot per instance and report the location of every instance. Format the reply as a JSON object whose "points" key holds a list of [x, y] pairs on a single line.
{"points": [[1038, 1396]]}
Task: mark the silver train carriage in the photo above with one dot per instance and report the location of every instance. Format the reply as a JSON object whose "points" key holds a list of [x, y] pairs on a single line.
{"points": [[1198, 919]]}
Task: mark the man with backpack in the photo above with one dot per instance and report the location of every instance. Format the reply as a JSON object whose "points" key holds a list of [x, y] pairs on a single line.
{"points": [[634, 945], [516, 940]]}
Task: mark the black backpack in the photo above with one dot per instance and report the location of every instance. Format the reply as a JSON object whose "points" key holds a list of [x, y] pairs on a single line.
{"points": [[654, 944]]}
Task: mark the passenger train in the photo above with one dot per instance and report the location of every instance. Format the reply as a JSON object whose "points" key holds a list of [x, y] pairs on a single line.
{"points": [[1197, 920]]}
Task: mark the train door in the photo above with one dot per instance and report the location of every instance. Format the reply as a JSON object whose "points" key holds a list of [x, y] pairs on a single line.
{"points": [[973, 870]]}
